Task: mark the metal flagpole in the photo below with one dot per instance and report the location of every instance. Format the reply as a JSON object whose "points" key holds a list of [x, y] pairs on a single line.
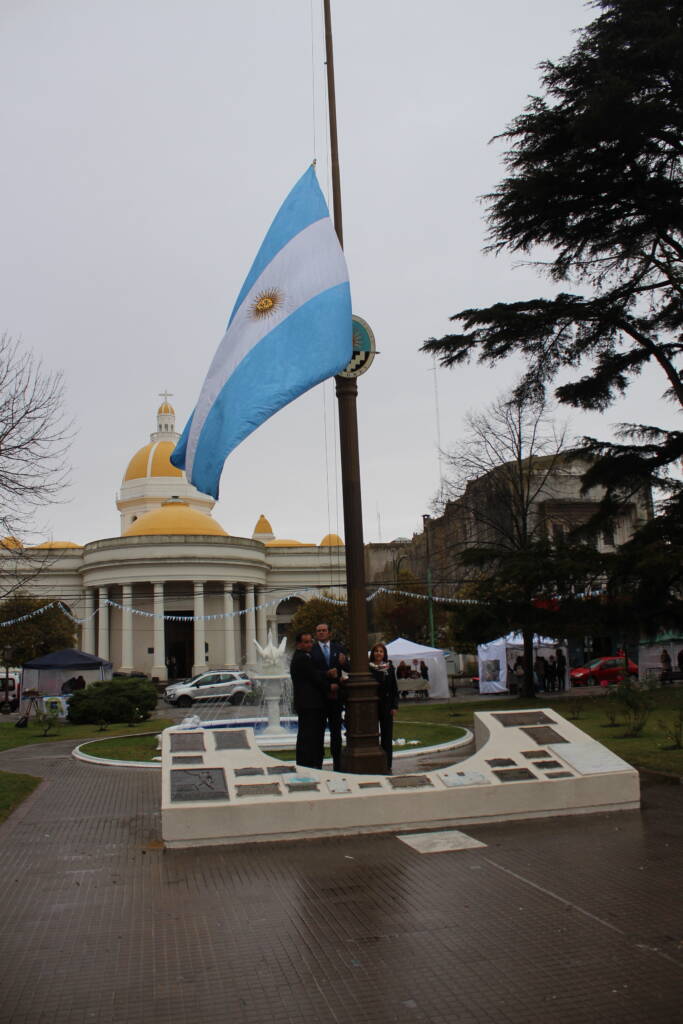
{"points": [[362, 753]]}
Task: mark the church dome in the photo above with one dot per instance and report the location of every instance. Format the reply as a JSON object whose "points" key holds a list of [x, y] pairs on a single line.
{"points": [[173, 518], [331, 540], [11, 543], [286, 544], [57, 544], [262, 526], [152, 460], [165, 409]]}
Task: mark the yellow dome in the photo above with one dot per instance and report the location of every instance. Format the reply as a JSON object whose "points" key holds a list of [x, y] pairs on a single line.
{"points": [[165, 409], [286, 544], [331, 540], [152, 460], [175, 517], [11, 543], [263, 526], [58, 544]]}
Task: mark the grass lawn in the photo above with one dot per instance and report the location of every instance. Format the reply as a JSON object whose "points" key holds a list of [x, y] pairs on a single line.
{"points": [[588, 713], [143, 748], [12, 737], [14, 789]]}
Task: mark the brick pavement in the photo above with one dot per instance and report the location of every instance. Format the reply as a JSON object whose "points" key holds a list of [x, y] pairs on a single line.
{"points": [[569, 920]]}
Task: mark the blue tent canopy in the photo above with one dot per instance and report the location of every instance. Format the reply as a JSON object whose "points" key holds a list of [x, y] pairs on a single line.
{"points": [[67, 659]]}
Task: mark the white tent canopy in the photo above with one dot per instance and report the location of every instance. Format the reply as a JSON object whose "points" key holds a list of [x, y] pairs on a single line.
{"points": [[497, 656], [405, 650]]}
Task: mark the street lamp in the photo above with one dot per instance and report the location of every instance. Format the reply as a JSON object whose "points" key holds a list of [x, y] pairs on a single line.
{"points": [[426, 520]]}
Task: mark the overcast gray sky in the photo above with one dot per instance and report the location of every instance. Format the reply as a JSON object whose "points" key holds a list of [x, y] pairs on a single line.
{"points": [[147, 147]]}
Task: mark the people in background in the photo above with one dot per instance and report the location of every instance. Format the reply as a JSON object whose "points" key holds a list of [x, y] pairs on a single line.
{"points": [[382, 670], [665, 660]]}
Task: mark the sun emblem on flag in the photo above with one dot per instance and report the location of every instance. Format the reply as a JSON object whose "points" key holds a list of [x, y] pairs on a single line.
{"points": [[266, 303]]}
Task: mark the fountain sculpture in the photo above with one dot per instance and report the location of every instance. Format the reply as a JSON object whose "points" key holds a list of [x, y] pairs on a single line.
{"points": [[272, 675]]}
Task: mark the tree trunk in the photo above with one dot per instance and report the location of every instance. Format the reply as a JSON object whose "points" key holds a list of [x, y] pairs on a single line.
{"points": [[528, 690]]}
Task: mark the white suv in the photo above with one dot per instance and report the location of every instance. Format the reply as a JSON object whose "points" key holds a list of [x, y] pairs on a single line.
{"points": [[217, 685]]}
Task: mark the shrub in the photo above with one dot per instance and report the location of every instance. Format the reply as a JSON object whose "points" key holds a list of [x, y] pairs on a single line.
{"points": [[636, 703], [119, 700], [673, 729]]}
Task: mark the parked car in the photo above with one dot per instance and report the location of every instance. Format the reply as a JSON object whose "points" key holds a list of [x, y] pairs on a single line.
{"points": [[602, 671], [208, 686]]}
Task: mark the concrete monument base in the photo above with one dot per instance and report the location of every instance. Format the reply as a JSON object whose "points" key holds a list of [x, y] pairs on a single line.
{"points": [[218, 787]]}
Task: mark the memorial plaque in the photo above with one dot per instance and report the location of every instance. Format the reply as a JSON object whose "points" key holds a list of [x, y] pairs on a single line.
{"points": [[281, 769], [561, 775], [451, 779], [259, 789], [593, 759], [510, 718], [514, 774], [301, 786], [187, 741], [240, 772], [501, 762], [188, 759], [533, 754], [369, 785], [198, 784], [231, 739], [547, 764], [543, 734], [409, 781], [338, 786]]}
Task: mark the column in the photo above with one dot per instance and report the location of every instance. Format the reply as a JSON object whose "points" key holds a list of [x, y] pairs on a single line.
{"points": [[127, 629], [103, 624], [199, 631], [230, 624], [250, 634], [159, 668], [89, 624], [261, 628]]}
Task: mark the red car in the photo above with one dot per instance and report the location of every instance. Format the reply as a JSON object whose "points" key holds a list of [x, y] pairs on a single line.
{"points": [[602, 671]]}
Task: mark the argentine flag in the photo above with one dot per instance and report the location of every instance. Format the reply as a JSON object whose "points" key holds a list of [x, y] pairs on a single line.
{"points": [[290, 329]]}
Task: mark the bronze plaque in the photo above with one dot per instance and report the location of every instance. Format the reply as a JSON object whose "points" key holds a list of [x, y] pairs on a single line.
{"points": [[260, 789], [544, 734], [187, 741], [239, 772], [282, 769], [514, 774], [231, 739], [533, 754], [409, 781], [188, 759], [547, 764], [510, 718], [560, 775], [301, 787], [501, 762], [198, 784]]}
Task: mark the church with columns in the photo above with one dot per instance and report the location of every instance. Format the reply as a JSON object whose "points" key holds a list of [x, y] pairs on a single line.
{"points": [[175, 594]]}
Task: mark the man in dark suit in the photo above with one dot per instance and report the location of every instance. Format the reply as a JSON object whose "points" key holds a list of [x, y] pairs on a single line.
{"points": [[310, 687], [330, 657]]}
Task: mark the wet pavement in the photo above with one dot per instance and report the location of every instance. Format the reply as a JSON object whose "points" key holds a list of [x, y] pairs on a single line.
{"points": [[563, 920]]}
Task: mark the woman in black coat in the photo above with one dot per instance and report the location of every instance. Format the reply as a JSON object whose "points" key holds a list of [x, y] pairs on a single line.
{"points": [[382, 670]]}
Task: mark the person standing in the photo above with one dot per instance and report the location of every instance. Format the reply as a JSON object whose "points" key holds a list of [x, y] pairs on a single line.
{"points": [[309, 688], [551, 674], [561, 669], [382, 671], [330, 658], [665, 659]]}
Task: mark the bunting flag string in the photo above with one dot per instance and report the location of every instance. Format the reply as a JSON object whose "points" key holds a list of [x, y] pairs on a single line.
{"points": [[244, 611]]}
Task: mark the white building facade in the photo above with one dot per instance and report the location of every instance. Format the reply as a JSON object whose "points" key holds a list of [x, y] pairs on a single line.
{"points": [[175, 593]]}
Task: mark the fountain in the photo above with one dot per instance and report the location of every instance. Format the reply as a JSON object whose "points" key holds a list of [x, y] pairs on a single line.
{"points": [[273, 676]]}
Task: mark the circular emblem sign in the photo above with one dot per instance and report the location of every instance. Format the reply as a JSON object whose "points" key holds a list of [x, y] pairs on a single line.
{"points": [[363, 349]]}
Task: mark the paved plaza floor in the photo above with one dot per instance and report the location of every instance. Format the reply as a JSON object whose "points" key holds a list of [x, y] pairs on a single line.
{"points": [[572, 920]]}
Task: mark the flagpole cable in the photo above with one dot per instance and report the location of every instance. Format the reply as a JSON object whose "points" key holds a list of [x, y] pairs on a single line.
{"points": [[313, 89]]}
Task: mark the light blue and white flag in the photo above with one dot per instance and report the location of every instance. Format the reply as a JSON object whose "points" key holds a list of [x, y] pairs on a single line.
{"points": [[290, 329]]}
